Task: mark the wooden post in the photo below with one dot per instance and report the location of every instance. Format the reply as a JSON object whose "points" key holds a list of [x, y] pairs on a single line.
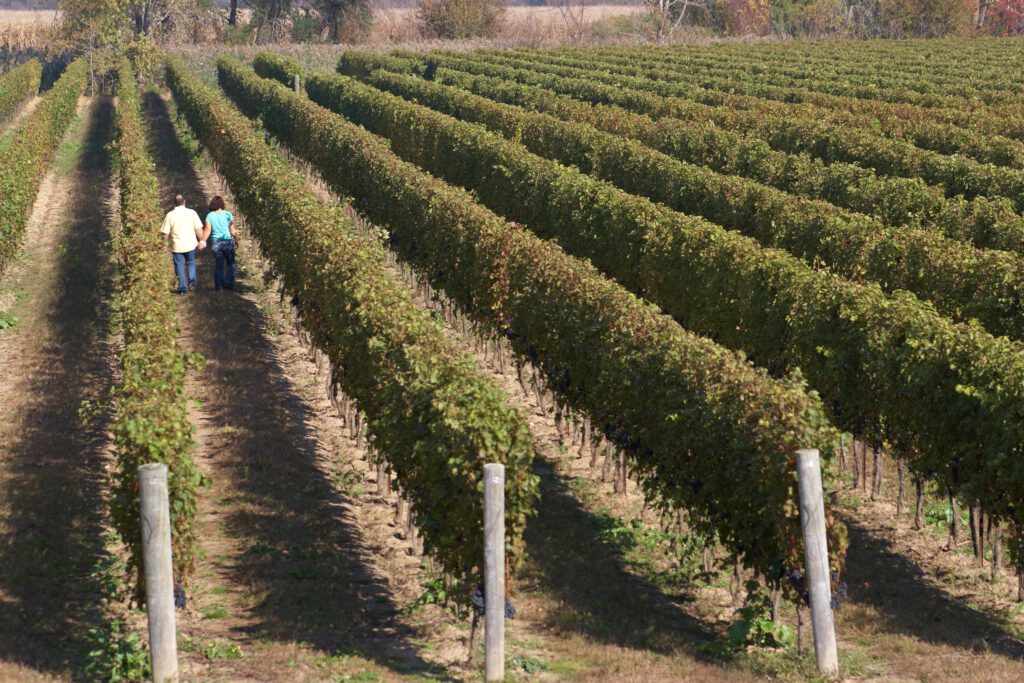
{"points": [[812, 521], [494, 572], [156, 557], [297, 84]]}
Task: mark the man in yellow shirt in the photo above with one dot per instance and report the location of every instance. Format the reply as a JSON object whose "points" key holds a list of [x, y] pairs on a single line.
{"points": [[184, 233]]}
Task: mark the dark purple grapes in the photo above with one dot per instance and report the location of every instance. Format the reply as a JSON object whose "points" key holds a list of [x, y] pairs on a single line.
{"points": [[840, 595], [476, 599]]}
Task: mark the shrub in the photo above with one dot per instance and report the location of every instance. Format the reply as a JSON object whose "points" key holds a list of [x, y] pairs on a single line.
{"points": [[460, 18]]}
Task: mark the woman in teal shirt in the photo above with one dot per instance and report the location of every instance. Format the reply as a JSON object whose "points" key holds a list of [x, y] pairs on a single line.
{"points": [[220, 228]]}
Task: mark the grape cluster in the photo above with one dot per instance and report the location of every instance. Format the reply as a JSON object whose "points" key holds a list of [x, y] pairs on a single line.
{"points": [[476, 599], [796, 579], [839, 594], [179, 597]]}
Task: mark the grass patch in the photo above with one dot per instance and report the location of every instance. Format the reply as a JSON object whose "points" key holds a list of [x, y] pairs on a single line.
{"points": [[8, 321], [216, 649], [526, 664], [71, 148], [215, 612], [566, 667]]}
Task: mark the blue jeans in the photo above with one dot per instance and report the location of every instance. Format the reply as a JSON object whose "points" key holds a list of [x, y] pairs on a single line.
{"points": [[181, 261], [224, 263]]}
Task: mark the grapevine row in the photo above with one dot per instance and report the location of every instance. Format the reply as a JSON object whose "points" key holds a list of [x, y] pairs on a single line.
{"points": [[723, 85], [150, 423], [28, 154], [960, 280], [17, 85], [963, 121], [679, 404], [896, 201], [792, 133], [823, 86], [950, 396], [857, 75], [431, 414]]}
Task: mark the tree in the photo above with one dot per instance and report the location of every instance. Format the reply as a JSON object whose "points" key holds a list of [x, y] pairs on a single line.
{"points": [[669, 15], [344, 20], [460, 18], [572, 12], [1005, 17], [92, 24], [167, 19], [746, 17], [115, 23]]}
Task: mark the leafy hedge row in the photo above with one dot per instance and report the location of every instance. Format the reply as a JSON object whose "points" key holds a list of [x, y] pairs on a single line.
{"points": [[706, 431], [896, 201], [960, 280], [17, 85], [838, 81], [950, 396], [430, 413], [971, 85], [723, 84], [792, 132], [150, 406], [987, 223], [993, 121], [28, 155], [872, 73]]}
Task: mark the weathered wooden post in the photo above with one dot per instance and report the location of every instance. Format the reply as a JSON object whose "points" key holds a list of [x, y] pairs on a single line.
{"points": [[159, 572], [494, 572], [819, 580], [297, 84]]}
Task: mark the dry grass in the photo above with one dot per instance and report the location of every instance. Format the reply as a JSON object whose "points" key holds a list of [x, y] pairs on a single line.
{"points": [[27, 16], [27, 29], [521, 25]]}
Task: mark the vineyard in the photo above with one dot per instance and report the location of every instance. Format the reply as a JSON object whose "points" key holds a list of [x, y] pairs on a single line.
{"points": [[639, 278]]}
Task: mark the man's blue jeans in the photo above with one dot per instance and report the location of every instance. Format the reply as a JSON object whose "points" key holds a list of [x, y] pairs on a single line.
{"points": [[181, 262], [224, 263]]}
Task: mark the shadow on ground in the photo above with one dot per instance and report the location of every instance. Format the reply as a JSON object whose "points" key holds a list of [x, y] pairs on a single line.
{"points": [[304, 555], [911, 605], [53, 495], [586, 574]]}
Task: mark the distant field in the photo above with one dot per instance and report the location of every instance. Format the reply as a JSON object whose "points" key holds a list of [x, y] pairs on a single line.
{"points": [[541, 14], [400, 22], [522, 25], [24, 16]]}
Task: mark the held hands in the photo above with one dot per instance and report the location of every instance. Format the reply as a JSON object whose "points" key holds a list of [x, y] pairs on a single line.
{"points": [[202, 245]]}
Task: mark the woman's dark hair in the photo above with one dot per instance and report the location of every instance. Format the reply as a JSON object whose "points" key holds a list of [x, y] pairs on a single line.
{"points": [[217, 203]]}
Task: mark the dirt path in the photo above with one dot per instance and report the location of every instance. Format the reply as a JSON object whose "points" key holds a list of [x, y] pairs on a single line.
{"points": [[52, 469], [278, 557], [304, 569], [588, 611], [285, 586], [917, 609]]}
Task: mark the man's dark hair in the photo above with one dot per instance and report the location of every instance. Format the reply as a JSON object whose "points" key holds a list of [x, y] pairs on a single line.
{"points": [[217, 203], [179, 200]]}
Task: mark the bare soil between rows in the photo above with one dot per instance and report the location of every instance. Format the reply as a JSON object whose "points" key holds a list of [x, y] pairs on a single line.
{"points": [[304, 573], [52, 467]]}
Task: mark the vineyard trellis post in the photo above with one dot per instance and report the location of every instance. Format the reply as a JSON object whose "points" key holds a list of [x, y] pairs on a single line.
{"points": [[819, 580], [156, 556], [494, 572]]}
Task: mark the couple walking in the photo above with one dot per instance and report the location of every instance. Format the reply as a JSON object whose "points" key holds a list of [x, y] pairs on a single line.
{"points": [[186, 233]]}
